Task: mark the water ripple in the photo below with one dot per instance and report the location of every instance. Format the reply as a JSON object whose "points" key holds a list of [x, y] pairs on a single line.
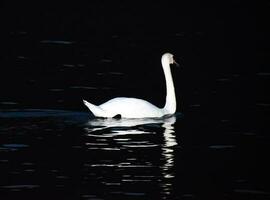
{"points": [[20, 186], [222, 146], [57, 42]]}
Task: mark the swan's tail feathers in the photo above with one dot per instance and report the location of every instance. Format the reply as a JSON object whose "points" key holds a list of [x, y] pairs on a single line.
{"points": [[97, 111]]}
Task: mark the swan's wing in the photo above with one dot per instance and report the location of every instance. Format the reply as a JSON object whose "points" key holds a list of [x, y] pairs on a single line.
{"points": [[131, 108]]}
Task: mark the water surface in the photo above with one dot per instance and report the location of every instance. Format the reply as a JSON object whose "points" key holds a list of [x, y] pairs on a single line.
{"points": [[71, 155]]}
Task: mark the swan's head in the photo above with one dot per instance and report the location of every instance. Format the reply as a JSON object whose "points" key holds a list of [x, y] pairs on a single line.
{"points": [[168, 58]]}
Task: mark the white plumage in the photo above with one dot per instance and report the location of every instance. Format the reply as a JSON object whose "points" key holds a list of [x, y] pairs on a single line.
{"points": [[138, 108]]}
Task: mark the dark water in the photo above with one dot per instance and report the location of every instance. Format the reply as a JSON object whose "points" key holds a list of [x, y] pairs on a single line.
{"points": [[55, 55], [68, 155]]}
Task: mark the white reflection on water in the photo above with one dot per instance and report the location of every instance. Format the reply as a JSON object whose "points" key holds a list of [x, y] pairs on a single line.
{"points": [[136, 135], [168, 154], [102, 124]]}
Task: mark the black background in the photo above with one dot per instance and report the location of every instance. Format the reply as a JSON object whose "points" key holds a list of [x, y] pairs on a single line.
{"points": [[210, 40], [53, 52]]}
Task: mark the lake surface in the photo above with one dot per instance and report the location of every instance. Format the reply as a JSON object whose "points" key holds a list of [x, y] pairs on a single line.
{"points": [[215, 147], [71, 155]]}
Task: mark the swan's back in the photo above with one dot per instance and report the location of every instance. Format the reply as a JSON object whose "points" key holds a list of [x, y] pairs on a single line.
{"points": [[131, 108]]}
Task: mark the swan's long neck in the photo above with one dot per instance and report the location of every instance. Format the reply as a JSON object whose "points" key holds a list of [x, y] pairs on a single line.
{"points": [[170, 105]]}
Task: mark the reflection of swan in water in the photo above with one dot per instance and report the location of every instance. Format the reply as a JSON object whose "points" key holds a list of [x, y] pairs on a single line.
{"points": [[111, 127], [98, 124], [125, 133], [168, 156]]}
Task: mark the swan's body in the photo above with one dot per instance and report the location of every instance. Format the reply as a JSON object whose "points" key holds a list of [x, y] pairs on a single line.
{"points": [[126, 107], [138, 108]]}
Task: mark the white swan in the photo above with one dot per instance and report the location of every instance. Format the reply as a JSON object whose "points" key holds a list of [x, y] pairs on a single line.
{"points": [[137, 108]]}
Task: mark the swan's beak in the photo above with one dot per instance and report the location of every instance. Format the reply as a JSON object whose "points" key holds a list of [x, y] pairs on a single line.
{"points": [[174, 62]]}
